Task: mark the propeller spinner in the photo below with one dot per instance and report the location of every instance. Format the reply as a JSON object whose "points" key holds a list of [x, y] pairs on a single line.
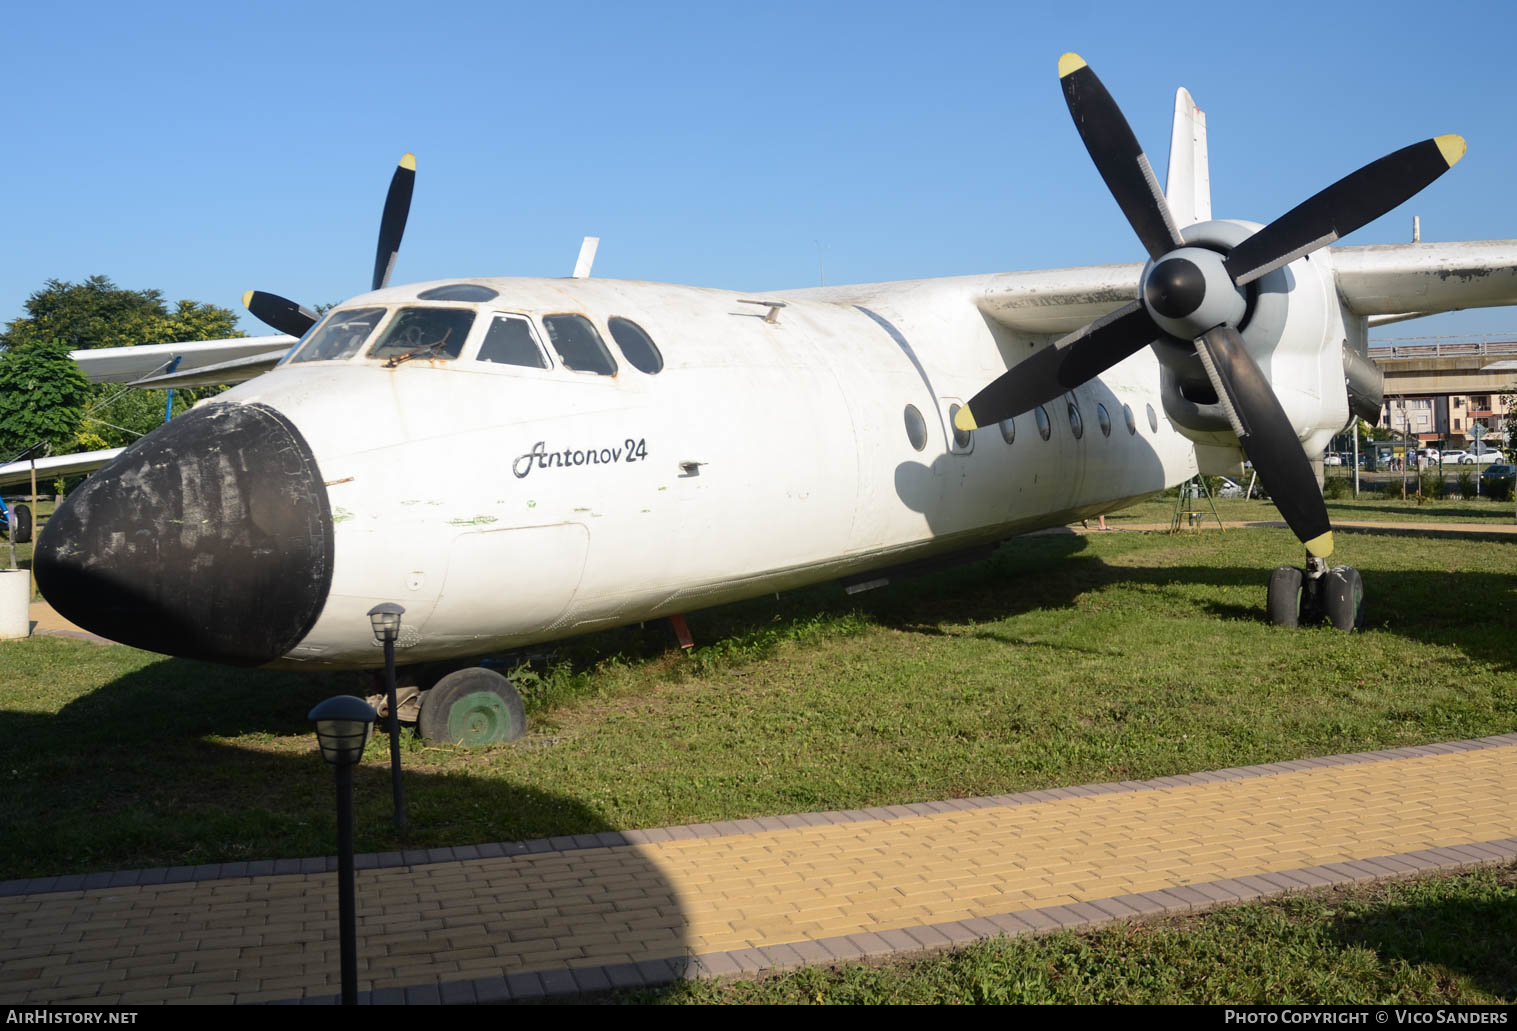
{"points": [[295, 319], [1196, 294]]}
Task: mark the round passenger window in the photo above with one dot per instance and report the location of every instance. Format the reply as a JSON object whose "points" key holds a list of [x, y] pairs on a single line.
{"points": [[1009, 430], [1153, 419], [960, 437], [916, 428], [1132, 423], [1045, 428], [1075, 422], [636, 345], [1103, 419]]}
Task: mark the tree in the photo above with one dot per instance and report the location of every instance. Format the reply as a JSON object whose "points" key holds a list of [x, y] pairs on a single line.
{"points": [[42, 395], [97, 313]]}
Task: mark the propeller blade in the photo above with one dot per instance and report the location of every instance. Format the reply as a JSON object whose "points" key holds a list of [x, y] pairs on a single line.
{"points": [[1266, 436], [1081, 356], [1118, 157], [1353, 201], [392, 224], [279, 312]]}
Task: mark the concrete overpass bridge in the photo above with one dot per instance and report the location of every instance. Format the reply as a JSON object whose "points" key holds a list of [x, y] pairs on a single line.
{"points": [[1421, 369]]}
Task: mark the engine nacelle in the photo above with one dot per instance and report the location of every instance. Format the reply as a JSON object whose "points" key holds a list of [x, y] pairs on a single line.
{"points": [[1296, 330]]}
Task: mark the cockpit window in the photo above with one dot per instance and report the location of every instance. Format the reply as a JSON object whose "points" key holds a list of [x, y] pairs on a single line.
{"points": [[579, 345], [340, 335], [424, 333], [510, 342], [636, 345], [458, 292]]}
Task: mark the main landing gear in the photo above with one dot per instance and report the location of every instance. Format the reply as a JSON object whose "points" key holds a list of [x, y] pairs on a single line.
{"points": [[1308, 596], [471, 707]]}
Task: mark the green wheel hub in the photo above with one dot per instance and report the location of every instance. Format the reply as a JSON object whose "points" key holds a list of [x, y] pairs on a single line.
{"points": [[479, 718]]}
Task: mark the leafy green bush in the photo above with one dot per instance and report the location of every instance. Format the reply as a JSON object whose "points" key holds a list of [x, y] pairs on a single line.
{"points": [[1466, 483], [1434, 486], [1335, 487]]}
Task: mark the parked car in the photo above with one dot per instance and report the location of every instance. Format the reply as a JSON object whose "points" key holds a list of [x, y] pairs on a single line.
{"points": [[1454, 457], [1483, 458], [1332, 458]]}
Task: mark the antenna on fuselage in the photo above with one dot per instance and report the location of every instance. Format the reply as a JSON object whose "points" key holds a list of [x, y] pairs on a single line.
{"points": [[586, 257]]}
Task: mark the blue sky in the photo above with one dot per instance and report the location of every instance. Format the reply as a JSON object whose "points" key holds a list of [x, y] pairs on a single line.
{"points": [[204, 149]]}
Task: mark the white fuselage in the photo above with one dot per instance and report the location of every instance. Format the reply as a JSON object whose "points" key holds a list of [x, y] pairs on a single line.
{"points": [[504, 505]]}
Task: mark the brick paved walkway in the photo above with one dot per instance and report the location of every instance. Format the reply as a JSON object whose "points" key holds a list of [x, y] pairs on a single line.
{"points": [[527, 919]]}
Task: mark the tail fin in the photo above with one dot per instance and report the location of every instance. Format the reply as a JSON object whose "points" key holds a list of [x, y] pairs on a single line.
{"points": [[1188, 187]]}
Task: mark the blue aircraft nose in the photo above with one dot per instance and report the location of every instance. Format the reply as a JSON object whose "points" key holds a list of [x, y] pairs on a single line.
{"points": [[210, 538]]}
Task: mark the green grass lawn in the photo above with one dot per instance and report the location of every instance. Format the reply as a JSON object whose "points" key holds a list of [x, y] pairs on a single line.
{"points": [[1065, 659], [1408, 942]]}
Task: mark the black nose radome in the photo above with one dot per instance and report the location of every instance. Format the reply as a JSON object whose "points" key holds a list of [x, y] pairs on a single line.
{"points": [[210, 538], [1175, 288]]}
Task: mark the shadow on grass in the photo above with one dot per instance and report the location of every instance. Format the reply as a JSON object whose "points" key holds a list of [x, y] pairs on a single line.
{"points": [[130, 777], [1473, 936], [1441, 509]]}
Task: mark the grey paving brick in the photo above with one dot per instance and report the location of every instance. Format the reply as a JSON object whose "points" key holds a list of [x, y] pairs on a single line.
{"points": [[558, 982], [927, 937], [389, 997], [721, 964], [900, 941], [423, 995], [457, 993], [840, 948], [491, 990], [624, 975], [870, 944], [591, 979], [525, 985]]}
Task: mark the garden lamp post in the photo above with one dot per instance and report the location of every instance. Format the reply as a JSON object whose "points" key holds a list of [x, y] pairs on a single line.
{"points": [[342, 729], [385, 618]]}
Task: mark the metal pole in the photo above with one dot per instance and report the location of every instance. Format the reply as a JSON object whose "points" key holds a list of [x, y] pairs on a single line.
{"points": [[395, 784], [346, 908], [1356, 458]]}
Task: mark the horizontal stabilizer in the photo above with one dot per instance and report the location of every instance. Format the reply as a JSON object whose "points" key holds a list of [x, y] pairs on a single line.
{"points": [[54, 466], [235, 371], [129, 364]]}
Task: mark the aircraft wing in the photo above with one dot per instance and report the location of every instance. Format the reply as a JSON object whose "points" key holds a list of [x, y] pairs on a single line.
{"points": [[53, 466], [1412, 279], [130, 364], [1058, 300]]}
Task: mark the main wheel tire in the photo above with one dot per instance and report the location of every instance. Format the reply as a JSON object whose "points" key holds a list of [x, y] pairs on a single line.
{"points": [[1343, 597], [472, 707], [1285, 596], [21, 532]]}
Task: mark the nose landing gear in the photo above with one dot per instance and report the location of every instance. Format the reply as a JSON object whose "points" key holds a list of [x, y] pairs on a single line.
{"points": [[1308, 596]]}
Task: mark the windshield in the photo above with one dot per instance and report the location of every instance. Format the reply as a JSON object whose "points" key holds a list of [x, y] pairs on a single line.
{"points": [[340, 336], [424, 333]]}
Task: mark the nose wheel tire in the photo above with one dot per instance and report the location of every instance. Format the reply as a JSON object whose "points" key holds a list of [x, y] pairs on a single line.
{"points": [[1296, 599], [1343, 597], [472, 707], [1284, 602]]}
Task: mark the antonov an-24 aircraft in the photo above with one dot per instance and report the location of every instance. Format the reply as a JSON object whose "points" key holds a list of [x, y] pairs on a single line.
{"points": [[519, 460]]}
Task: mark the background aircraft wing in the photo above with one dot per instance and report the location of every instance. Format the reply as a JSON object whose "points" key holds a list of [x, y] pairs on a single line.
{"points": [[54, 466], [130, 364]]}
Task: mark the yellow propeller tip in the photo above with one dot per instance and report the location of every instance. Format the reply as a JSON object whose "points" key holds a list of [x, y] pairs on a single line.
{"points": [[1321, 547], [408, 162], [1070, 62], [1452, 147], [247, 298], [964, 421]]}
